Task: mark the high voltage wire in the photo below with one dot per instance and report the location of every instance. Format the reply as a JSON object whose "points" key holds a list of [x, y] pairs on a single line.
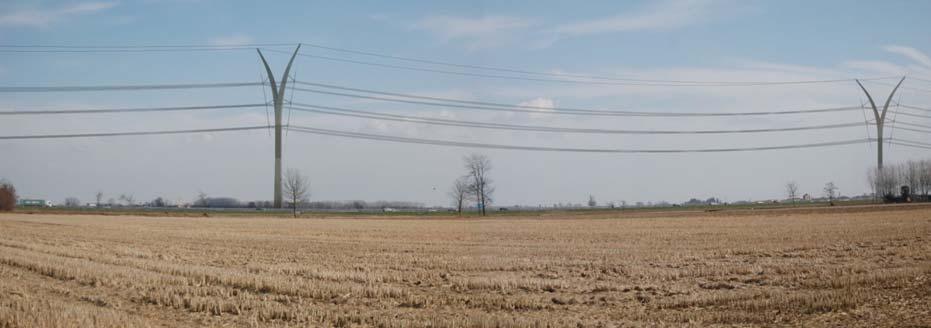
{"points": [[144, 46], [594, 77], [95, 51], [919, 79], [523, 78], [897, 126], [540, 109], [130, 48], [126, 87], [911, 129], [123, 134], [123, 110], [905, 87], [499, 126], [378, 137], [201, 47], [913, 115], [910, 143], [916, 108], [915, 125]]}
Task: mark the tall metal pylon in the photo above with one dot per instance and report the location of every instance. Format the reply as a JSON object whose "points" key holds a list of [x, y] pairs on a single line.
{"points": [[880, 120], [278, 100]]}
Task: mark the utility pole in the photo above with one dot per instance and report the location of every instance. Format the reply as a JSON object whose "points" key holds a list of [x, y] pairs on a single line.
{"points": [[278, 100], [880, 119]]}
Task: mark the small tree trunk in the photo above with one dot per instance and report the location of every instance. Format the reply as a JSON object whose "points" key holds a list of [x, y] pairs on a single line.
{"points": [[482, 196]]}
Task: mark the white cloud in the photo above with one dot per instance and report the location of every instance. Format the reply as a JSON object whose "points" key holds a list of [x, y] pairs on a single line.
{"points": [[379, 17], [46, 17], [540, 104], [911, 53], [478, 33], [664, 15], [875, 66], [492, 31], [231, 40]]}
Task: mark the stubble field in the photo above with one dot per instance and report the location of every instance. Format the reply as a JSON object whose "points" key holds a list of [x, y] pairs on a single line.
{"points": [[844, 267]]}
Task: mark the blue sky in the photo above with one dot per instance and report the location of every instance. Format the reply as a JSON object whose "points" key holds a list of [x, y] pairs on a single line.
{"points": [[694, 40]]}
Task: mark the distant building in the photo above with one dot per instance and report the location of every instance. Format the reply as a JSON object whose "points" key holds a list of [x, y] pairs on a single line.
{"points": [[35, 202], [806, 197]]}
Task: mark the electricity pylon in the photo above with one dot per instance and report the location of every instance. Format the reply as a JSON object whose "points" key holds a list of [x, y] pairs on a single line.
{"points": [[278, 100], [880, 119]]}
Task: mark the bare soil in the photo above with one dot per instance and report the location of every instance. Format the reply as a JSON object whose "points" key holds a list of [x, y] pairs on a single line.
{"points": [[843, 267]]}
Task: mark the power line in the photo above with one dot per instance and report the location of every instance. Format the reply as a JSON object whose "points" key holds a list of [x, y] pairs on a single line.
{"points": [[143, 46], [907, 127], [122, 134], [910, 143], [523, 78], [123, 110], [916, 108], [539, 109], [919, 79], [913, 115], [8, 48], [196, 47], [513, 127], [915, 125], [122, 50], [903, 87], [564, 75], [912, 129], [127, 87], [378, 137]]}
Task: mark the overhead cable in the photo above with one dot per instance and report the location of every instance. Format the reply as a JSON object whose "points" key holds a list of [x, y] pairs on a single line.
{"points": [[567, 75], [329, 110], [379, 137], [568, 81], [123, 110], [123, 134], [10, 89], [541, 109]]}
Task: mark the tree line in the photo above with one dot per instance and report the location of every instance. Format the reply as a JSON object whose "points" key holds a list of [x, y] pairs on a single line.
{"points": [[915, 174]]}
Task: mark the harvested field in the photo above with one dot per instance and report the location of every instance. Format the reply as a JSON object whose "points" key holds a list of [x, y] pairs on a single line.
{"points": [[838, 268]]}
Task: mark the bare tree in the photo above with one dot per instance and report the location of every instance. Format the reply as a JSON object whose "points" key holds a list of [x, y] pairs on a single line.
{"points": [[7, 196], [460, 193], [924, 179], [911, 174], [296, 187], [159, 202], [591, 201], [477, 167], [830, 191], [72, 202], [792, 190], [202, 200], [914, 174], [883, 182], [129, 199]]}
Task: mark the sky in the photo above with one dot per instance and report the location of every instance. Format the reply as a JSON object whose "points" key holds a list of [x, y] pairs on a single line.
{"points": [[696, 40]]}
